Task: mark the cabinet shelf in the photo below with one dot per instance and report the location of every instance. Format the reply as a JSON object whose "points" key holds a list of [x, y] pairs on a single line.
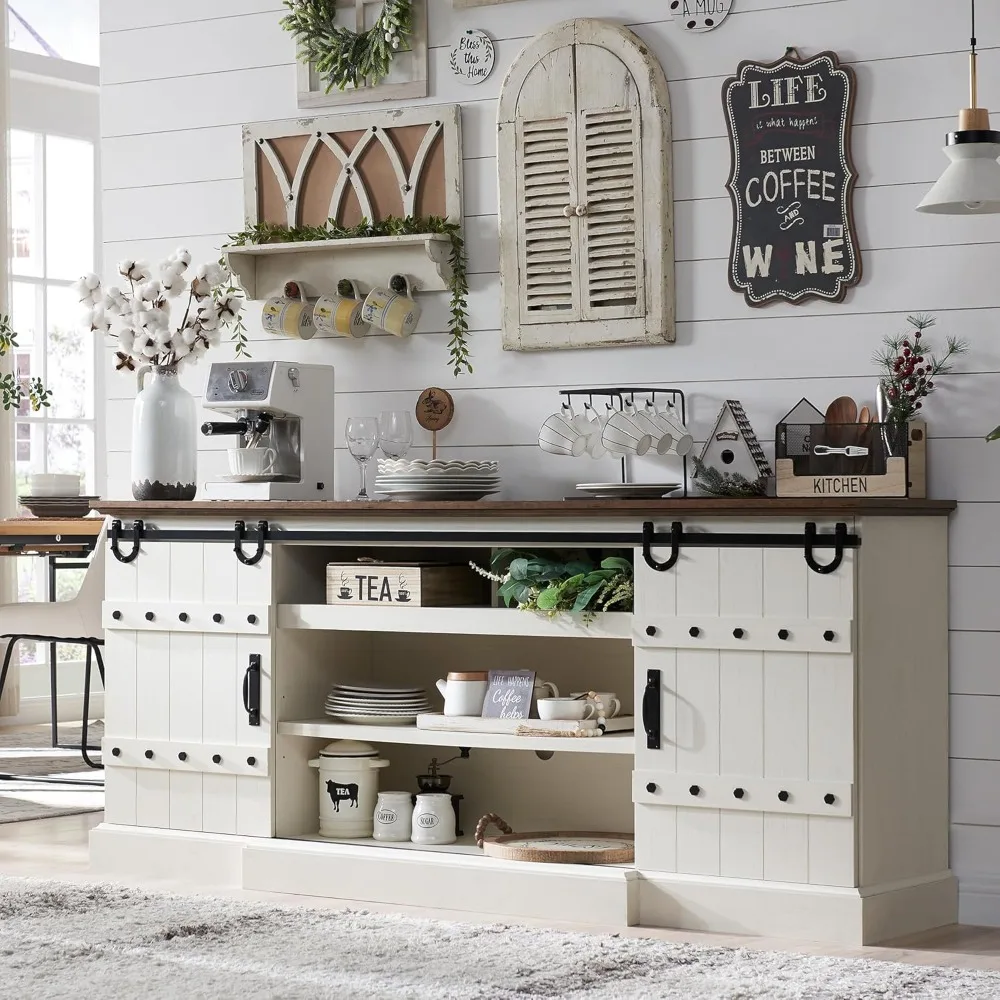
{"points": [[609, 743], [453, 621], [263, 268]]}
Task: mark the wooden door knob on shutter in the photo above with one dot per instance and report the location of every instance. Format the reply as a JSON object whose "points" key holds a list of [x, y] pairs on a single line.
{"points": [[569, 211], [581, 210]]}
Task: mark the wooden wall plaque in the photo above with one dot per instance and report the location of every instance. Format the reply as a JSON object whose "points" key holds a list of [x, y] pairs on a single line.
{"points": [[792, 179]]}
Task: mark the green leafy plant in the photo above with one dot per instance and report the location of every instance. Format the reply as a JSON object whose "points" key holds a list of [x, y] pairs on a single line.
{"points": [[555, 583], [458, 283], [908, 369], [727, 484], [14, 391], [238, 330], [343, 57]]}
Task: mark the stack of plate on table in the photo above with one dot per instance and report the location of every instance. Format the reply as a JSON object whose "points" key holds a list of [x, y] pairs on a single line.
{"points": [[409, 479], [53, 494], [627, 491], [376, 706]]}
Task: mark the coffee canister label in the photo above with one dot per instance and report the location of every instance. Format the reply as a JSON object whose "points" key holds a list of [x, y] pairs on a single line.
{"points": [[386, 816]]}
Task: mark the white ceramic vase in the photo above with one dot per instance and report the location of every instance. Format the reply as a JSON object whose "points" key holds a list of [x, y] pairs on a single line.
{"points": [[164, 437]]}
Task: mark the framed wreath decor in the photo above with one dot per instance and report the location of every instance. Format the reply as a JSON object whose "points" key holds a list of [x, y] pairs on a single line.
{"points": [[343, 57]]}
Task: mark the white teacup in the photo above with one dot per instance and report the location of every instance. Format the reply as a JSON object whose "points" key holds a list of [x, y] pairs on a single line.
{"points": [[623, 436], [669, 420], [252, 461], [565, 708], [559, 436], [610, 702], [645, 418]]}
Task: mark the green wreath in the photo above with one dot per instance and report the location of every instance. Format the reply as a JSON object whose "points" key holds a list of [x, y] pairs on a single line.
{"points": [[343, 57]]}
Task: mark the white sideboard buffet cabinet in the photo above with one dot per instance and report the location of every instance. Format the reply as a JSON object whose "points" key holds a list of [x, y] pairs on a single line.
{"points": [[788, 772]]}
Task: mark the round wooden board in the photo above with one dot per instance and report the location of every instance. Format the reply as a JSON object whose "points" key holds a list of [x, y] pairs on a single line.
{"points": [[435, 408], [563, 847]]}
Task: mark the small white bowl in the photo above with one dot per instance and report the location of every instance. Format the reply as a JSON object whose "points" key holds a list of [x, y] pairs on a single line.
{"points": [[54, 484]]}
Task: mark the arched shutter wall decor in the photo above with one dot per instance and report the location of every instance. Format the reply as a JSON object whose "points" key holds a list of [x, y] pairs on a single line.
{"points": [[586, 208]]}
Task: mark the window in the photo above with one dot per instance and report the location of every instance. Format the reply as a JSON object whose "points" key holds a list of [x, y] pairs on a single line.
{"points": [[60, 29]]}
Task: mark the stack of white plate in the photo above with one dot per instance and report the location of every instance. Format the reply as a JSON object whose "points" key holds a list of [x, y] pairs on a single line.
{"points": [[376, 706], [411, 479], [57, 506]]}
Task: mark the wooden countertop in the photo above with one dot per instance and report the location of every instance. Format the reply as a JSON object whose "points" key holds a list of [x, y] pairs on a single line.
{"points": [[660, 509], [49, 527]]}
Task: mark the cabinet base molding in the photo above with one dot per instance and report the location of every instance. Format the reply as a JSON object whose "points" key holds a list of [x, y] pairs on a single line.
{"points": [[785, 910]]}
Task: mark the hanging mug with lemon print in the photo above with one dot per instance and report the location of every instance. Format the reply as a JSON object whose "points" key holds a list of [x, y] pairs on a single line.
{"points": [[290, 314], [341, 315], [391, 309]]}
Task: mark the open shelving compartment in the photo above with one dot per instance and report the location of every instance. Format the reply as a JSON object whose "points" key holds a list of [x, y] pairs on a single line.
{"points": [[534, 783]]}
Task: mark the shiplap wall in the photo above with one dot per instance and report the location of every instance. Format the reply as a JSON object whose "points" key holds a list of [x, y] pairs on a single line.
{"points": [[180, 79]]}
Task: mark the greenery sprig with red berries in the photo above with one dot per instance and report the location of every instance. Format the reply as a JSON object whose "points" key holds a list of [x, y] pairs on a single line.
{"points": [[909, 368]]}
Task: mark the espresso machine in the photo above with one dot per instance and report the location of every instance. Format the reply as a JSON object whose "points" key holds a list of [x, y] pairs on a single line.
{"points": [[287, 408]]}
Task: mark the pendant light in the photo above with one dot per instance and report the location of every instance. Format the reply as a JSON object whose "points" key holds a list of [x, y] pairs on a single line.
{"points": [[971, 183]]}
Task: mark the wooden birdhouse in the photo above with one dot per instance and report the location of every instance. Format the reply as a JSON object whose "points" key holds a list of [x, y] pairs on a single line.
{"points": [[733, 448]]}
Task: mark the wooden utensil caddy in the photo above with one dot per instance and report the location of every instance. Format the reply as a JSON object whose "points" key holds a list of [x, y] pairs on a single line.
{"points": [[892, 465]]}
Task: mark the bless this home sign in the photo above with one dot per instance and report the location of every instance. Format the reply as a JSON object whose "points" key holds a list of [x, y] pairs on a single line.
{"points": [[792, 179]]}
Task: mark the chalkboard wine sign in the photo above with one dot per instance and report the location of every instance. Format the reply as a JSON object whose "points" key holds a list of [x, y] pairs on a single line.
{"points": [[792, 179]]}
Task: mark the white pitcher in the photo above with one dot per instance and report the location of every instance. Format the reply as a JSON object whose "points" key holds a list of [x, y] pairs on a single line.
{"points": [[164, 437], [464, 692]]}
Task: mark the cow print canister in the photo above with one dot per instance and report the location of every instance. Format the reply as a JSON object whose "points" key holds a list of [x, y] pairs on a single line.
{"points": [[348, 789]]}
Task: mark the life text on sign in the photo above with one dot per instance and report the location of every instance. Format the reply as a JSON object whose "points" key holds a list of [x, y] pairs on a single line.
{"points": [[792, 180]]}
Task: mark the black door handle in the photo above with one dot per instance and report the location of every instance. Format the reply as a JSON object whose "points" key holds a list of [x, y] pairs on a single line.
{"points": [[251, 690], [651, 709]]}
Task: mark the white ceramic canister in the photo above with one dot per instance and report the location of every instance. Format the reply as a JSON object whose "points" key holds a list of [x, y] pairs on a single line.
{"points": [[348, 788], [164, 437], [433, 819], [393, 817], [464, 692]]}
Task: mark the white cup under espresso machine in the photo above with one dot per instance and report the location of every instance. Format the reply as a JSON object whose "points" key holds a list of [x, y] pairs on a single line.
{"points": [[278, 419]]}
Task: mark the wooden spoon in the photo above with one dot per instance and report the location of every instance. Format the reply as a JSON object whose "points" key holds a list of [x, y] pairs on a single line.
{"points": [[843, 410], [865, 416]]}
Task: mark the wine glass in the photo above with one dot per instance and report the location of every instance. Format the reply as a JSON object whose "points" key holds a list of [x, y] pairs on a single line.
{"points": [[395, 433], [362, 440]]}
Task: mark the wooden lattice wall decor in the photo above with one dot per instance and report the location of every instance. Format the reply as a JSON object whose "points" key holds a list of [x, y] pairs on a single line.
{"points": [[369, 165]]}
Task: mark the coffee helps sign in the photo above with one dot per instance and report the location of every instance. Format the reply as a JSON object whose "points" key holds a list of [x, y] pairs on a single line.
{"points": [[792, 179]]}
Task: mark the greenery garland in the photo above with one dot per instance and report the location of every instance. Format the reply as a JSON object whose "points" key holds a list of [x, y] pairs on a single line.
{"points": [[13, 390], [458, 283], [344, 57]]}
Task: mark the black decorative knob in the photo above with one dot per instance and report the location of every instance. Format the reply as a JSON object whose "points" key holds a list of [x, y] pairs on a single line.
{"points": [[694, 631], [651, 786], [829, 798], [148, 755], [738, 633], [782, 796], [829, 635], [216, 758], [650, 630], [695, 789], [782, 633], [182, 755], [251, 619], [217, 618], [251, 761], [117, 615], [149, 616], [738, 793], [116, 751], [183, 616]]}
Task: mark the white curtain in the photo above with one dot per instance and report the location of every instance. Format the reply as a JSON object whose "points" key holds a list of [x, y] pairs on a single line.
{"points": [[10, 703]]}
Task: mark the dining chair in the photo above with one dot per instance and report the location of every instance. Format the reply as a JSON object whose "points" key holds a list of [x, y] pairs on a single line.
{"points": [[76, 621]]}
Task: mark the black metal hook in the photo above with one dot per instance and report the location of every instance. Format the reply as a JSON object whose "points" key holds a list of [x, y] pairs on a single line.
{"points": [[114, 535], [241, 530], [839, 539], [675, 546]]}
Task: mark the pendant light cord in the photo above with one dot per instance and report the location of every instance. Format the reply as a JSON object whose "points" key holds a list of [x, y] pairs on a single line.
{"points": [[973, 27], [973, 68]]}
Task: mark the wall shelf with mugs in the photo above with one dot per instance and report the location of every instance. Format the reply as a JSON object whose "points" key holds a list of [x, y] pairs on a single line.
{"points": [[624, 422]]}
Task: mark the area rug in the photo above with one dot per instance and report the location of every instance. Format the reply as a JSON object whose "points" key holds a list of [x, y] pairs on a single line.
{"points": [[61, 940], [28, 753]]}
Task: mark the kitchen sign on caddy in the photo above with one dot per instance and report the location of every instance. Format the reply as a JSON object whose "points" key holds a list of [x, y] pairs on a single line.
{"points": [[792, 180]]}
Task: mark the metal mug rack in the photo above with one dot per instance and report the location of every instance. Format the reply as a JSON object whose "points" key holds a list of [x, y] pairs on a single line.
{"points": [[619, 396]]}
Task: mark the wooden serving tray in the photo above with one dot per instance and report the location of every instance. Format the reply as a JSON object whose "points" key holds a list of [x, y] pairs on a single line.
{"points": [[563, 848]]}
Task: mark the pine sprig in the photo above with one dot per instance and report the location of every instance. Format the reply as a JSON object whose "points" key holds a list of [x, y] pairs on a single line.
{"points": [[343, 57], [908, 368], [727, 484], [458, 283]]}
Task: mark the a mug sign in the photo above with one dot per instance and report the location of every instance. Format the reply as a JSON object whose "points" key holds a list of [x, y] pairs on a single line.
{"points": [[509, 694], [473, 56]]}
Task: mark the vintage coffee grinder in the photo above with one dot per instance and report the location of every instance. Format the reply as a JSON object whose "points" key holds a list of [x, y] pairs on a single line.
{"points": [[282, 410]]}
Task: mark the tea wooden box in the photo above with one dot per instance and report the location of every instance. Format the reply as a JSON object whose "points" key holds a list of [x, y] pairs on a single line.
{"points": [[778, 782], [411, 584]]}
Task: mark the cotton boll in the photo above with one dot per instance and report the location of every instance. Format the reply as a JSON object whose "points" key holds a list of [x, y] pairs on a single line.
{"points": [[151, 291], [182, 257], [141, 271], [173, 284], [98, 320], [201, 288], [126, 340], [228, 307], [125, 267], [208, 315], [213, 273], [189, 334]]}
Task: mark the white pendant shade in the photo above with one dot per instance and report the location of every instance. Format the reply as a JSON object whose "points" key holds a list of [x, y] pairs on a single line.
{"points": [[971, 183]]}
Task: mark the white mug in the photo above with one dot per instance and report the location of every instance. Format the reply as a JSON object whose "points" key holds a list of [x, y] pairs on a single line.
{"points": [[574, 709], [646, 417], [290, 314], [340, 315], [669, 420], [609, 702], [559, 436], [392, 311], [252, 461], [590, 425], [623, 436], [544, 689]]}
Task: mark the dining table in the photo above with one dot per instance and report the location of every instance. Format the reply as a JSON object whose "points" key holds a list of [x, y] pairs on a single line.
{"points": [[65, 543]]}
